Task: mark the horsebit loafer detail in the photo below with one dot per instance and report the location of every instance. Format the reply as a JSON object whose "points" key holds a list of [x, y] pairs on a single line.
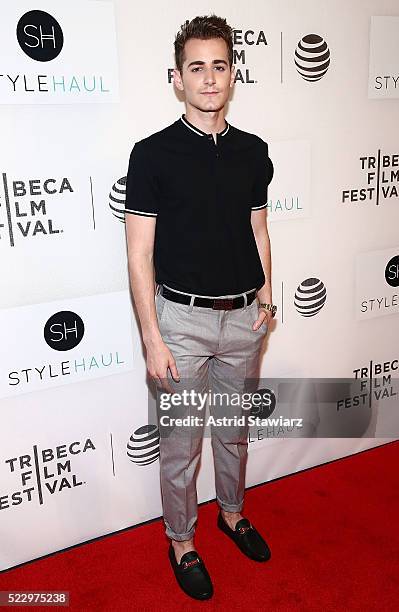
{"points": [[191, 574], [247, 538]]}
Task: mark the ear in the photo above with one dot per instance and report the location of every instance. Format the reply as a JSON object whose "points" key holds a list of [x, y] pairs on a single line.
{"points": [[177, 79], [233, 74]]}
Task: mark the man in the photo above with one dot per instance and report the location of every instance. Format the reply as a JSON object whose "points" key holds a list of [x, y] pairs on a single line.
{"points": [[196, 195]]}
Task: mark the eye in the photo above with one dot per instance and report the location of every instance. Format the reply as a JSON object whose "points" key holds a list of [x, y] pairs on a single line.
{"points": [[222, 68]]}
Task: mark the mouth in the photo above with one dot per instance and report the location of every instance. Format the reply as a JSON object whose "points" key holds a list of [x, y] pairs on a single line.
{"points": [[209, 93]]}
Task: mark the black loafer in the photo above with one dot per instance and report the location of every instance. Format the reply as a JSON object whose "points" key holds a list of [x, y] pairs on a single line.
{"points": [[247, 538], [191, 574]]}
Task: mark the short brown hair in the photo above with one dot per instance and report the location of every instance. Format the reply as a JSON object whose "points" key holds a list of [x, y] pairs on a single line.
{"points": [[207, 26]]}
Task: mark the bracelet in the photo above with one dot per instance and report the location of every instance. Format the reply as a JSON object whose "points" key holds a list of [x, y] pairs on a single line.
{"points": [[268, 307]]}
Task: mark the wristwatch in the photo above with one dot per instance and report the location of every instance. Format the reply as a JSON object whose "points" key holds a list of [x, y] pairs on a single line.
{"points": [[271, 307]]}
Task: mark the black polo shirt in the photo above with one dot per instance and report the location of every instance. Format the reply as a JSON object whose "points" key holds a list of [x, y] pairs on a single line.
{"points": [[202, 194]]}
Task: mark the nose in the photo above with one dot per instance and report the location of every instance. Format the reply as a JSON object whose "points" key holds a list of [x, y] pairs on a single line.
{"points": [[209, 76]]}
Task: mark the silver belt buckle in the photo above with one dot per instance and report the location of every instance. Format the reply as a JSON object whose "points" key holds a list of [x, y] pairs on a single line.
{"points": [[223, 304]]}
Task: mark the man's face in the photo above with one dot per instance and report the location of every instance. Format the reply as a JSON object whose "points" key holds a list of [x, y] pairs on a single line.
{"points": [[206, 77]]}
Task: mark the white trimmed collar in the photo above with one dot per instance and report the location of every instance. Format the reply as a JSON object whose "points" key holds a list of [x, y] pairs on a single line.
{"points": [[193, 128]]}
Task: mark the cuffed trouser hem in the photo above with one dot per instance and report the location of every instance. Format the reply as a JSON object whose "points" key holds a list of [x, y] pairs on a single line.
{"points": [[230, 507], [180, 537]]}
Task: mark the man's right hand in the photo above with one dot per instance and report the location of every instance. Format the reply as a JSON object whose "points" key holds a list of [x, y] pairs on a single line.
{"points": [[159, 359]]}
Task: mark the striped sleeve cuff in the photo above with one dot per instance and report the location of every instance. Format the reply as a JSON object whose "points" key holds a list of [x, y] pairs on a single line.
{"points": [[258, 207], [141, 212]]}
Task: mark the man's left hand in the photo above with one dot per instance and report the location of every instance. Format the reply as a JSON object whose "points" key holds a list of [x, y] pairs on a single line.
{"points": [[264, 317]]}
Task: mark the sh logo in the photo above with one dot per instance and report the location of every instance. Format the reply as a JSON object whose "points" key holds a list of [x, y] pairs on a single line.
{"points": [[40, 36], [64, 330], [392, 271]]}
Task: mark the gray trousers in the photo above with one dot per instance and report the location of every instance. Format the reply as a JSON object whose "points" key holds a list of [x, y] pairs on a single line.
{"points": [[217, 350]]}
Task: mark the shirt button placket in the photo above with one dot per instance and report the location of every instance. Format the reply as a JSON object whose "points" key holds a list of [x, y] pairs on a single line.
{"points": [[214, 144]]}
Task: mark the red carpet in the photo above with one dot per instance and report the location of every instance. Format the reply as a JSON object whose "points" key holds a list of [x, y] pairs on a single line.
{"points": [[333, 532]]}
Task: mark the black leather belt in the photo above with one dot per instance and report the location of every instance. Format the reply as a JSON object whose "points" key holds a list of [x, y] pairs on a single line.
{"points": [[216, 304]]}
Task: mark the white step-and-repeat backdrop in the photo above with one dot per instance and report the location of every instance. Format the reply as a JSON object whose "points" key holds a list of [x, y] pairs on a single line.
{"points": [[80, 82]]}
